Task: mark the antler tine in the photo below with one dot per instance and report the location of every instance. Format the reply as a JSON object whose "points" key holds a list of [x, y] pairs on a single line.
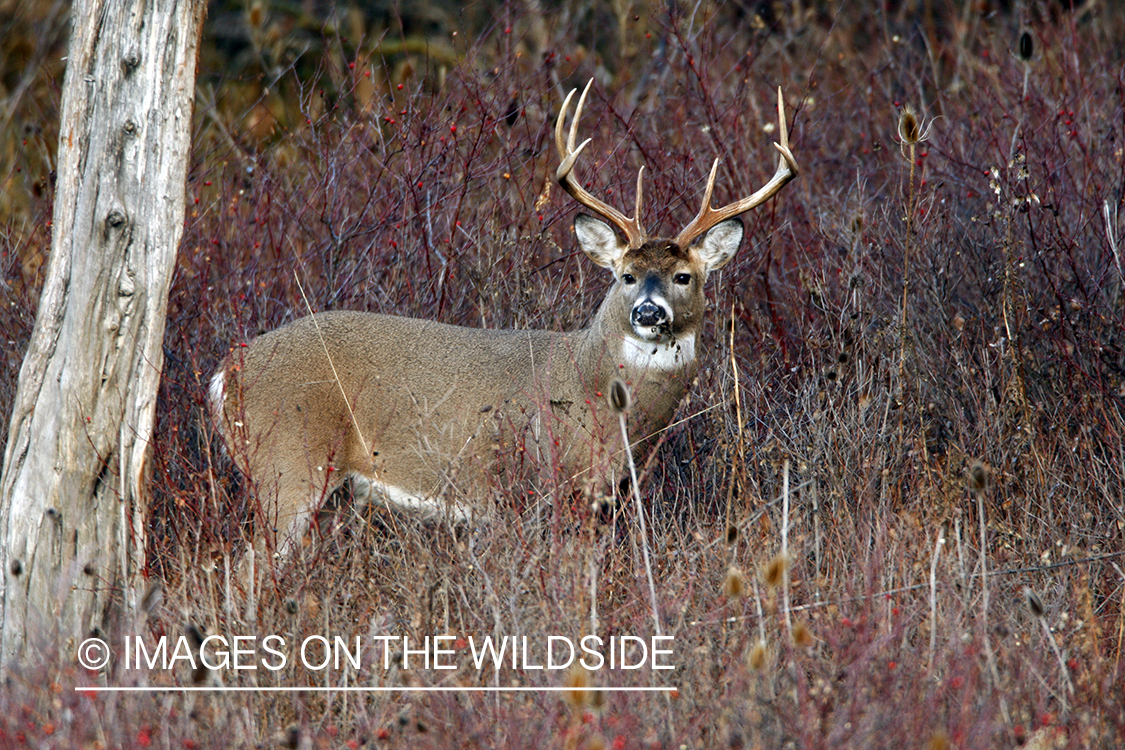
{"points": [[640, 197], [786, 171], [568, 155]]}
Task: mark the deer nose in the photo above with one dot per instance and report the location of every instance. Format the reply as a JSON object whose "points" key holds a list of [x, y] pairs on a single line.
{"points": [[648, 314]]}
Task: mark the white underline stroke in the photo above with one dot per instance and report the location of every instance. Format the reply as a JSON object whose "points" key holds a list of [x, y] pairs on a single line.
{"points": [[360, 689]]}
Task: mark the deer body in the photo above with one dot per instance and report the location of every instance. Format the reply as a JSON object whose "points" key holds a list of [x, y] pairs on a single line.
{"points": [[417, 413]]}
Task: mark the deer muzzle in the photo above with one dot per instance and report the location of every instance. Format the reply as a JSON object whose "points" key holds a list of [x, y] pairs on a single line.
{"points": [[651, 317]]}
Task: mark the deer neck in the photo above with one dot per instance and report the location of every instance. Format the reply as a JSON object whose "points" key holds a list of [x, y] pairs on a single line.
{"points": [[657, 359]]}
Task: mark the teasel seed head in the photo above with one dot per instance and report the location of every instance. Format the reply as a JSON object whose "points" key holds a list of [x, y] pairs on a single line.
{"points": [[909, 129], [597, 700], [1034, 603], [775, 571], [579, 695], [978, 476], [801, 635], [732, 534], [618, 396], [734, 585], [757, 656], [255, 14]]}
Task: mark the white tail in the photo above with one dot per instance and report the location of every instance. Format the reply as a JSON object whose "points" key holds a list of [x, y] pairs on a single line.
{"points": [[418, 413]]}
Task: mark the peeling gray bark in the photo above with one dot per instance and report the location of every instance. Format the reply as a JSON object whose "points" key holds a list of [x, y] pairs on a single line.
{"points": [[72, 487]]}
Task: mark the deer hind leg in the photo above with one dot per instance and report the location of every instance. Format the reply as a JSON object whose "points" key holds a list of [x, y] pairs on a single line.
{"points": [[289, 507], [276, 540]]}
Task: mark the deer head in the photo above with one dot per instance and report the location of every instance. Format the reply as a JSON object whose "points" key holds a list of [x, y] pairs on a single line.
{"points": [[660, 281]]}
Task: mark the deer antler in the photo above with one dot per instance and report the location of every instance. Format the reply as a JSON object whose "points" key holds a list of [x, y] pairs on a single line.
{"points": [[631, 227], [709, 217]]}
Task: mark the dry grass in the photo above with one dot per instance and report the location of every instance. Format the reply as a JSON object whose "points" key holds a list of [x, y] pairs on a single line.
{"points": [[933, 473]]}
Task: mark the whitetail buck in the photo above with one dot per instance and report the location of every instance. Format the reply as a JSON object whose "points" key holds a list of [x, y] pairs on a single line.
{"points": [[415, 412]]}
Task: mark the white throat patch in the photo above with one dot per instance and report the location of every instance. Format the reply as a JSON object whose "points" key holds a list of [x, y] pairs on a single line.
{"points": [[672, 355]]}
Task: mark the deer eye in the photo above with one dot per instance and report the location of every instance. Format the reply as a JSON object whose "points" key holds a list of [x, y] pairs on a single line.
{"points": [[682, 279], [629, 278]]}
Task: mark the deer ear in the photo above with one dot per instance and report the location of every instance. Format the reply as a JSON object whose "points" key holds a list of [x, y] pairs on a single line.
{"points": [[598, 240], [720, 244]]}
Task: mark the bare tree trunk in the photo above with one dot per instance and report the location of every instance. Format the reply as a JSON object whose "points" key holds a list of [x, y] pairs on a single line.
{"points": [[72, 485]]}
